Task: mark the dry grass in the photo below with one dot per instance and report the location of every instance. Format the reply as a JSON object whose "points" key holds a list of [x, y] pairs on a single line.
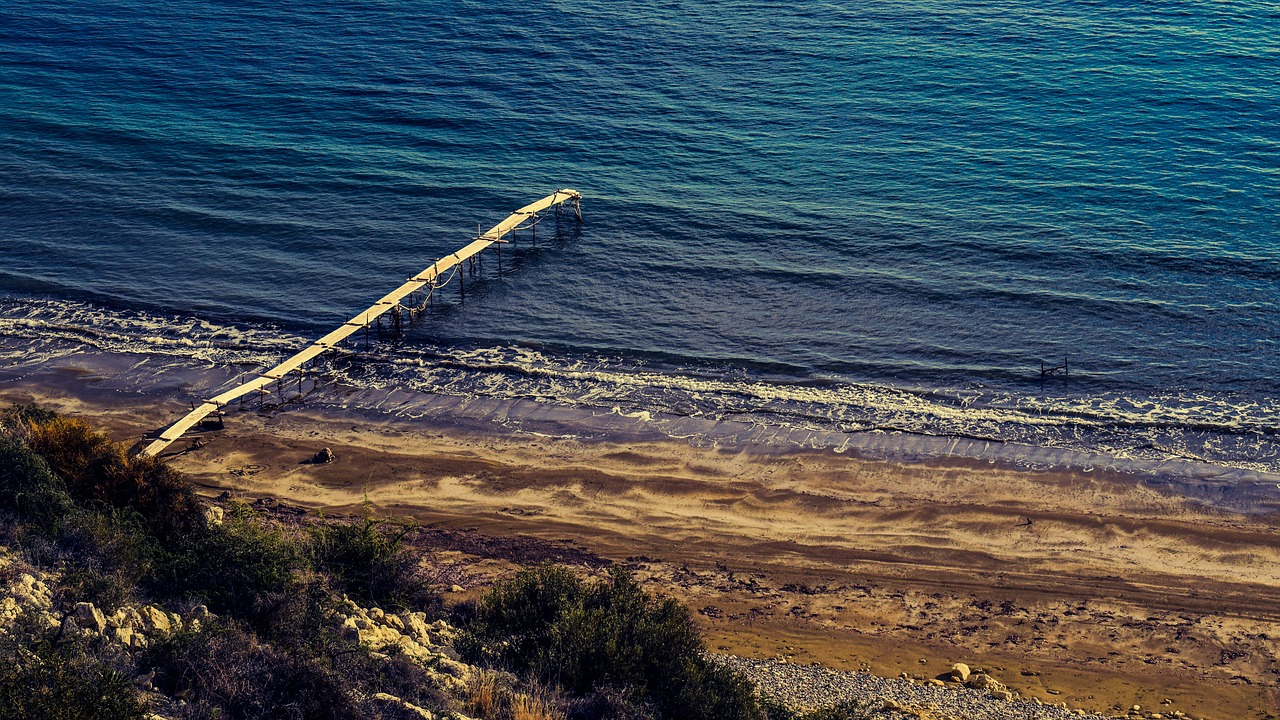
{"points": [[489, 698], [483, 695], [530, 707]]}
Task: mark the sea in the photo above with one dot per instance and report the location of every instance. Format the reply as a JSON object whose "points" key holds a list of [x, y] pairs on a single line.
{"points": [[862, 226]]}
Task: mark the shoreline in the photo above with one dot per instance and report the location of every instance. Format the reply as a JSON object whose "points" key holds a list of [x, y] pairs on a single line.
{"points": [[161, 380], [1115, 592]]}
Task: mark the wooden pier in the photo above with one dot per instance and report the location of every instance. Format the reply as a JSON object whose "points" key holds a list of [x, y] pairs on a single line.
{"points": [[525, 217]]}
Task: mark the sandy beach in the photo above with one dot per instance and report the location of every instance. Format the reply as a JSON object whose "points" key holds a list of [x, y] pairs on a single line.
{"points": [[1093, 589]]}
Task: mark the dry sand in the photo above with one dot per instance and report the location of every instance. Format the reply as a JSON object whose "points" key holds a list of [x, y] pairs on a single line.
{"points": [[1091, 589]]}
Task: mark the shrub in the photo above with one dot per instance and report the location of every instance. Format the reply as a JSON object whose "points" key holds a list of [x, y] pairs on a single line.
{"points": [[28, 487], [548, 624], [225, 672], [19, 416], [44, 679], [240, 567], [370, 562], [103, 555], [96, 469]]}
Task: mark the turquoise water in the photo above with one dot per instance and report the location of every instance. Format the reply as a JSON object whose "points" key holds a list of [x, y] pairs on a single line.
{"points": [[850, 217]]}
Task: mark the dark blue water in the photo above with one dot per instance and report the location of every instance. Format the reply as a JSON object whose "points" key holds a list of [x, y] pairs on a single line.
{"points": [[842, 216]]}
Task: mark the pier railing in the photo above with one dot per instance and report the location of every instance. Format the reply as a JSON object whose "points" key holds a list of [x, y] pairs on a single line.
{"points": [[526, 216]]}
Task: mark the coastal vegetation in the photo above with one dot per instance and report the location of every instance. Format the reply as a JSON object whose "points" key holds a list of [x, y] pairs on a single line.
{"points": [[128, 596]]}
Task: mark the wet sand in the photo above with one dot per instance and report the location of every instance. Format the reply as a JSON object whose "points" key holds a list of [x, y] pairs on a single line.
{"points": [[1093, 589]]}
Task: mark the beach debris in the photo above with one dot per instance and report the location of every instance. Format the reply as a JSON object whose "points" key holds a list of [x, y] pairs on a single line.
{"points": [[1050, 371], [323, 457]]}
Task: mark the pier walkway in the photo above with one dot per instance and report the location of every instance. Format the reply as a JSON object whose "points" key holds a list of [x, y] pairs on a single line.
{"points": [[428, 277]]}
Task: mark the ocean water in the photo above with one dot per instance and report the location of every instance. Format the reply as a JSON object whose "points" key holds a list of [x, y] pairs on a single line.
{"points": [[875, 219]]}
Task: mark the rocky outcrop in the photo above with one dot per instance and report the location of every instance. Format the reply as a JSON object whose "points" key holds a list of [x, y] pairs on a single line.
{"points": [[395, 702], [429, 645]]}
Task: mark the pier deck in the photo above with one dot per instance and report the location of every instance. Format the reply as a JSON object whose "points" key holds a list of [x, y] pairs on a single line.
{"points": [[427, 277]]}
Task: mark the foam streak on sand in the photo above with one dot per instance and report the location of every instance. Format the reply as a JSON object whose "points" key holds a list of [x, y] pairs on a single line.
{"points": [[429, 276]]}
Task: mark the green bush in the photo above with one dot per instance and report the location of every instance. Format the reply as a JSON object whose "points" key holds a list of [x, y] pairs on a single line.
{"points": [[609, 636], [240, 567], [104, 555], [371, 562], [28, 487]]}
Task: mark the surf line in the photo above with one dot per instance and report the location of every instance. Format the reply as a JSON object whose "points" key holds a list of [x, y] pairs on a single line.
{"points": [[389, 303]]}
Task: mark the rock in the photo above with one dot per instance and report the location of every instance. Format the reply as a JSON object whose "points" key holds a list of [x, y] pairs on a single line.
{"points": [[937, 682], [393, 701], [416, 652], [376, 614], [90, 617], [214, 515], [144, 681], [393, 622], [9, 610], [350, 631], [123, 635], [31, 591], [416, 625], [201, 613], [960, 672], [378, 636], [982, 681], [155, 620], [132, 618], [323, 457], [454, 668], [456, 589], [1002, 694]]}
